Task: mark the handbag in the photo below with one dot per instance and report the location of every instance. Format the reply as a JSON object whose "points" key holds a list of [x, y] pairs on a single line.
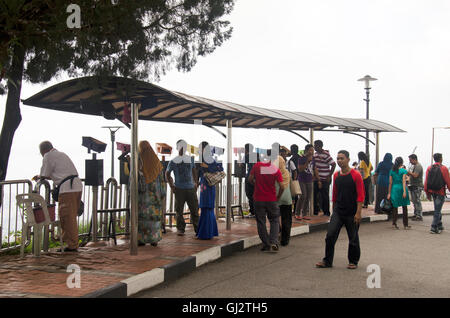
{"points": [[386, 205], [55, 191], [214, 178], [295, 188]]}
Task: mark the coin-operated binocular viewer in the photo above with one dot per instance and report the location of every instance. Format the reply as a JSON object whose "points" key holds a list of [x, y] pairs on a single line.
{"points": [[94, 166]]}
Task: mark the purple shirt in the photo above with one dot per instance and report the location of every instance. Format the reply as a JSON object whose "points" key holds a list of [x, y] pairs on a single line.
{"points": [[306, 176]]}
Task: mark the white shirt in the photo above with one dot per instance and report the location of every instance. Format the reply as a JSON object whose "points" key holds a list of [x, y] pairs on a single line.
{"points": [[291, 166], [57, 165]]}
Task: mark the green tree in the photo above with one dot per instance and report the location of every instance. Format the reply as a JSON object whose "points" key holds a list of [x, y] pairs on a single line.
{"points": [[138, 39]]}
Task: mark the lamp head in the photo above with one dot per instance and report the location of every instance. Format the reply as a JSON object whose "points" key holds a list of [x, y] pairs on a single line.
{"points": [[367, 79]]}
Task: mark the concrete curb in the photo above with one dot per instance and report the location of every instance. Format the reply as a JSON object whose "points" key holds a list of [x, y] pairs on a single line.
{"points": [[173, 271]]}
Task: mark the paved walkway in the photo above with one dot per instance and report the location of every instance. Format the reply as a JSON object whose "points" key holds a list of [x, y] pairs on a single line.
{"points": [[110, 271]]}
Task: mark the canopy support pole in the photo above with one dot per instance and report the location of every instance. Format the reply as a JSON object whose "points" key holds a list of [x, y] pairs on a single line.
{"points": [[134, 178], [377, 149], [311, 197], [229, 159]]}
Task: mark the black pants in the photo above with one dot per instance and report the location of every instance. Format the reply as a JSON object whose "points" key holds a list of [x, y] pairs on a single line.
{"points": [[382, 193], [249, 189], [334, 227], [367, 191], [295, 201], [322, 198], [286, 223]]}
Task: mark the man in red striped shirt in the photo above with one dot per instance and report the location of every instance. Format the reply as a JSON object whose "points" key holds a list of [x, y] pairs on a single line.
{"points": [[348, 196], [325, 165]]}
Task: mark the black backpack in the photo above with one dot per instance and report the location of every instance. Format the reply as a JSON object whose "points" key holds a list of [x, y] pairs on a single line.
{"points": [[435, 180]]}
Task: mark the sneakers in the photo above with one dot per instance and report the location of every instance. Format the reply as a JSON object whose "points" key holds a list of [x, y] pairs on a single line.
{"points": [[274, 248], [440, 228], [265, 248], [435, 231], [180, 233]]}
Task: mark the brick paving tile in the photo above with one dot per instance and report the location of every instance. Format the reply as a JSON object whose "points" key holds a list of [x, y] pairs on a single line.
{"points": [[53, 284]]}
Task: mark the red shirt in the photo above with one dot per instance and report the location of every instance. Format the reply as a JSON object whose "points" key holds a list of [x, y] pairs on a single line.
{"points": [[265, 174], [446, 177], [348, 189]]}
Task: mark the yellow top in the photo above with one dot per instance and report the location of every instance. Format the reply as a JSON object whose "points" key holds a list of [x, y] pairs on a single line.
{"points": [[366, 169]]}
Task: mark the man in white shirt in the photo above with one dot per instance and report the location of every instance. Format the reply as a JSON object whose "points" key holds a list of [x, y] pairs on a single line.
{"points": [[56, 166]]}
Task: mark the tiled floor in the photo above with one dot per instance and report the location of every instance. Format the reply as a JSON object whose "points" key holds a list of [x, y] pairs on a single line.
{"points": [[104, 266]]}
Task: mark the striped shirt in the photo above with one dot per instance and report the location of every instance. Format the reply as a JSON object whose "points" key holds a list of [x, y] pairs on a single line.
{"points": [[323, 161]]}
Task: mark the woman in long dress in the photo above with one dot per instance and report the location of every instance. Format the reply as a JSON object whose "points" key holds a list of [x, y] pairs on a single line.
{"points": [[207, 225], [381, 177], [151, 193], [398, 192]]}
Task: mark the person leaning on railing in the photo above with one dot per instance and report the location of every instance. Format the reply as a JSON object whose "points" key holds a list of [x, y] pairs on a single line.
{"points": [[57, 166]]}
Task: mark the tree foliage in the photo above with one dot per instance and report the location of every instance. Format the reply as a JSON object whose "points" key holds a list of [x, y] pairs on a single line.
{"points": [[138, 39]]}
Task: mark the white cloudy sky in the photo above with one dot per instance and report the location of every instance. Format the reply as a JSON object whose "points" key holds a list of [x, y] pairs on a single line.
{"points": [[294, 55]]}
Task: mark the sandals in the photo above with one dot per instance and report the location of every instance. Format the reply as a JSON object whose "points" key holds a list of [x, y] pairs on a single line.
{"points": [[352, 266], [322, 265]]}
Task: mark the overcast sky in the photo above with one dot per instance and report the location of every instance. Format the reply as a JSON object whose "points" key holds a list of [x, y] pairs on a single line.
{"points": [[293, 55]]}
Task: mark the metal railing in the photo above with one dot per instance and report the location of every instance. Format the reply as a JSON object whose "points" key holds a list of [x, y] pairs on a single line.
{"points": [[112, 195], [10, 213]]}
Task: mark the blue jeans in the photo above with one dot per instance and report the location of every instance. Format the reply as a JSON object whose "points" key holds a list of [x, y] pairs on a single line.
{"points": [[437, 217]]}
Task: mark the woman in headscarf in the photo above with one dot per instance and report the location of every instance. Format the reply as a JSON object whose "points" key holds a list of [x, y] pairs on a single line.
{"points": [[207, 225], [151, 193], [285, 201], [381, 178]]}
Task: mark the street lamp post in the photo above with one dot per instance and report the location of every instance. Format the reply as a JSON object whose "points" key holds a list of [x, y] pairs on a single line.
{"points": [[113, 130], [367, 79], [432, 140]]}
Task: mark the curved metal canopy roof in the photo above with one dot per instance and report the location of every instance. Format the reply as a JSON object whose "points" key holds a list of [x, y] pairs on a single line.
{"points": [[106, 96]]}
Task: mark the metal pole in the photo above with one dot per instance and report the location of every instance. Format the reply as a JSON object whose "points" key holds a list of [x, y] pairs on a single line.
{"points": [[229, 189], [367, 117], [311, 197], [94, 213], [113, 138], [432, 145], [134, 178], [377, 149]]}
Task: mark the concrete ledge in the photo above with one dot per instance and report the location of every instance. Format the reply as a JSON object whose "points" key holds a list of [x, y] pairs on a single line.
{"points": [[118, 290], [318, 227], [379, 217], [144, 281], [251, 241], [177, 269], [209, 255], [298, 230], [228, 249]]}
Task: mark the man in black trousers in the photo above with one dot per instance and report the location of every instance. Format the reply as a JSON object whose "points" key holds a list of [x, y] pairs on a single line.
{"points": [[348, 197]]}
